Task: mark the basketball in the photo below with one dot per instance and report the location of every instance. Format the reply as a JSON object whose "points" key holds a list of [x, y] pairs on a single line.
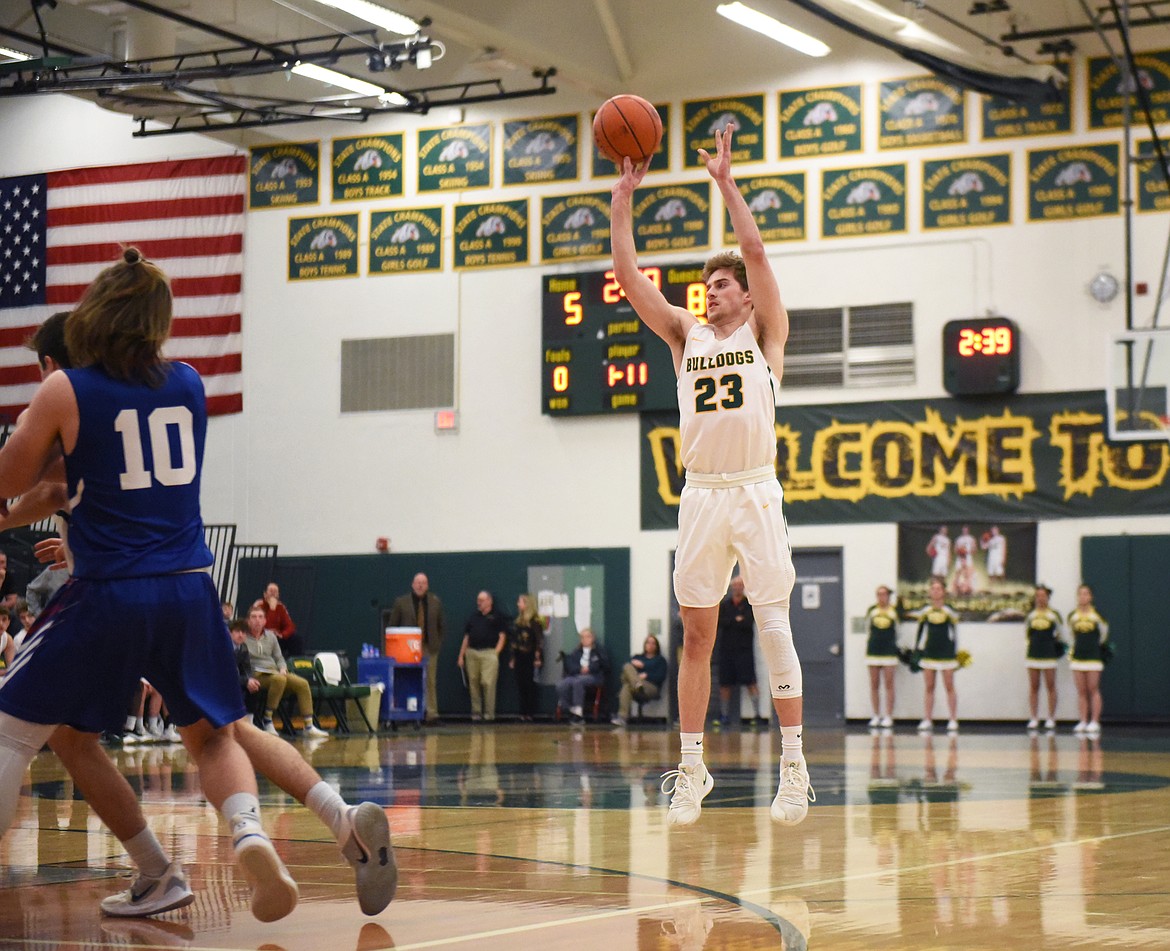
{"points": [[627, 126]]}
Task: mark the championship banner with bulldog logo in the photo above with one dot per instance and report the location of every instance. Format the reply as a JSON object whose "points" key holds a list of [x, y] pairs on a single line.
{"points": [[491, 234], [673, 217], [455, 158], [1007, 458], [322, 247], [284, 175], [541, 150], [744, 115], [369, 166], [406, 240]]}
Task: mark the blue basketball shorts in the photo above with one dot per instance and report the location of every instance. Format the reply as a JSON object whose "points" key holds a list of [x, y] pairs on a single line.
{"points": [[80, 663]]}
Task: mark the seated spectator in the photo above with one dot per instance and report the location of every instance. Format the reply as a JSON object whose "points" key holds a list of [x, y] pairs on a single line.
{"points": [[642, 678], [584, 667], [8, 592], [42, 588], [27, 617], [269, 668], [249, 685], [7, 645], [229, 613]]}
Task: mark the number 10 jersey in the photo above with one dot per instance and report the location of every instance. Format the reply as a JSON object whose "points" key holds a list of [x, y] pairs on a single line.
{"points": [[134, 474]]}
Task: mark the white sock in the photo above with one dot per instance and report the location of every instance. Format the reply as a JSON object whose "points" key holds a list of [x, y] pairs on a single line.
{"points": [[791, 748], [155, 725], [325, 803], [242, 810], [147, 854], [128, 726], [692, 748]]}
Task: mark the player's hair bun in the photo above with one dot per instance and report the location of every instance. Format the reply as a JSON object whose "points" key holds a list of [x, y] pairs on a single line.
{"points": [[131, 255]]}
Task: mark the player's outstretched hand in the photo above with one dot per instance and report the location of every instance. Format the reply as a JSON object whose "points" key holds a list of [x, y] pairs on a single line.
{"points": [[719, 166], [51, 552], [631, 175]]}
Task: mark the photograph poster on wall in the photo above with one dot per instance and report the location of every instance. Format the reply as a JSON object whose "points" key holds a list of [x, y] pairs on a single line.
{"points": [[989, 567]]}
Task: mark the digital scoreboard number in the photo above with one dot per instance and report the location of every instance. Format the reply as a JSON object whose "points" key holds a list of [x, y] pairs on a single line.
{"points": [[981, 356], [597, 357]]}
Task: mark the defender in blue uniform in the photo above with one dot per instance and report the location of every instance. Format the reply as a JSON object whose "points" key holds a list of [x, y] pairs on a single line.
{"points": [[128, 428]]}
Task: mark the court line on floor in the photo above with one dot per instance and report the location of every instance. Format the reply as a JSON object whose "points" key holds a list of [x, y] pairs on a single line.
{"points": [[759, 911]]}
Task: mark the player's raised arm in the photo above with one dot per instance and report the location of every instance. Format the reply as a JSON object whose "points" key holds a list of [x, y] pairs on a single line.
{"points": [[771, 319], [669, 322]]}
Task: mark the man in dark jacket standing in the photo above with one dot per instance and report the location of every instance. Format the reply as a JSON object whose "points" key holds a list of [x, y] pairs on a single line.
{"points": [[423, 609]]}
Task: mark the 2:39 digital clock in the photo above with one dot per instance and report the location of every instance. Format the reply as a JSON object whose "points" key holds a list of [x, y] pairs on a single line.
{"points": [[597, 357], [981, 355]]}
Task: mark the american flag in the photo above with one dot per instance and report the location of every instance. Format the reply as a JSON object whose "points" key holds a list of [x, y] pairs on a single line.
{"points": [[59, 229]]}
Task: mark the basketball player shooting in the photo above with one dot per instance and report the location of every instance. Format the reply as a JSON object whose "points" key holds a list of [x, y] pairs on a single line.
{"points": [[730, 508]]}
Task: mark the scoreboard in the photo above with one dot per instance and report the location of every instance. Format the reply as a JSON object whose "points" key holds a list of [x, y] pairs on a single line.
{"points": [[597, 357]]}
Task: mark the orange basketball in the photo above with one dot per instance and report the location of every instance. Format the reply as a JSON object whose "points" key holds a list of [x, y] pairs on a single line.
{"points": [[627, 126]]}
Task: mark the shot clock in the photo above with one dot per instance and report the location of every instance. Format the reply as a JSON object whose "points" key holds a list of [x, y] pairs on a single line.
{"points": [[597, 357], [981, 355]]}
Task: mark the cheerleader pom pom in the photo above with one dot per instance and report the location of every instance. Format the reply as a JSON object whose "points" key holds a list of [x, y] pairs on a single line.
{"points": [[1061, 648], [910, 658], [1106, 652], [964, 659]]}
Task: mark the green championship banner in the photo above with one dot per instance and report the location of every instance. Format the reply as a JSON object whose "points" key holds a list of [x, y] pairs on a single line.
{"points": [[541, 150], [406, 240], [1019, 457], [924, 110], [702, 118], [322, 247], [816, 122], [673, 217], [284, 175], [1076, 182], [455, 158], [1109, 88], [862, 201], [778, 203], [369, 166], [1153, 190], [574, 227], [967, 192], [604, 168], [1007, 119], [491, 234]]}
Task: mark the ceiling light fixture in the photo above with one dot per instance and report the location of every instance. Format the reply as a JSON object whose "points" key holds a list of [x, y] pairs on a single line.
{"points": [[334, 78], [379, 16], [772, 28], [13, 54]]}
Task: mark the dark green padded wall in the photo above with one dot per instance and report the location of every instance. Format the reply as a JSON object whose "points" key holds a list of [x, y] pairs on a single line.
{"points": [[337, 601], [1128, 576]]}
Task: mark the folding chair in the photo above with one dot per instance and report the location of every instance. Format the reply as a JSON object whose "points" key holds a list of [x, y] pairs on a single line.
{"points": [[337, 688]]}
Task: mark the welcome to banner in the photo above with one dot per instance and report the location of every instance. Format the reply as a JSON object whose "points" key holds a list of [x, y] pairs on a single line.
{"points": [[1023, 457]]}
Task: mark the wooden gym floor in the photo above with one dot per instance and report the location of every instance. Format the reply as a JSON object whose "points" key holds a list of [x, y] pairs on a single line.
{"points": [[555, 838]]}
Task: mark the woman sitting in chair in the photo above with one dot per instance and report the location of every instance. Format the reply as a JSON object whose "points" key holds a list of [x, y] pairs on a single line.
{"points": [[584, 667], [269, 667]]}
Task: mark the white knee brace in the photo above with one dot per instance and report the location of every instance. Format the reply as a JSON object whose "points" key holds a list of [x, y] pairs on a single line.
{"points": [[785, 679]]}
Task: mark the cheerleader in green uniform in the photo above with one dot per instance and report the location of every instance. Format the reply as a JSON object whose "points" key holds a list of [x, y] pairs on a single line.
{"points": [[1043, 628], [881, 655], [1089, 633], [937, 642]]}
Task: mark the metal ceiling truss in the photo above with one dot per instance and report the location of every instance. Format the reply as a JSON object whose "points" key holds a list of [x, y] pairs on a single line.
{"points": [[193, 107]]}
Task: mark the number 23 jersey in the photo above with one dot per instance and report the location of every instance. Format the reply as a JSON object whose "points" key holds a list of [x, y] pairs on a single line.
{"points": [[726, 402], [134, 474]]}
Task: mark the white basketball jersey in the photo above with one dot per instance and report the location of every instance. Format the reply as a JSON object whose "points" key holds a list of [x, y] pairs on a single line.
{"points": [[726, 403]]}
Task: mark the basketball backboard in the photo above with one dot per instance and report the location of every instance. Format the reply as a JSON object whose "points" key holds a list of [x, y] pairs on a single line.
{"points": [[1139, 374]]}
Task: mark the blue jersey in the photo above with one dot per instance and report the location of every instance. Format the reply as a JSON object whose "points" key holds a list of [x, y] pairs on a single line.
{"points": [[134, 475]]}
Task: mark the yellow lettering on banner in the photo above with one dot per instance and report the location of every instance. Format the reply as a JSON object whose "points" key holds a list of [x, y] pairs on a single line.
{"points": [[665, 445], [1087, 463]]}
